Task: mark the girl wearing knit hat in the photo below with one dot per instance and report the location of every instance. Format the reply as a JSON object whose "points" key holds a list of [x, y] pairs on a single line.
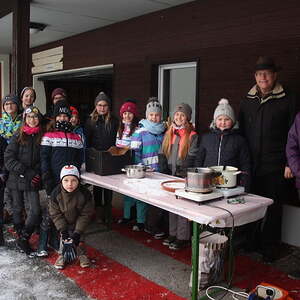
{"points": [[100, 131], [128, 123], [223, 145], [22, 160], [179, 149], [145, 142], [59, 146]]}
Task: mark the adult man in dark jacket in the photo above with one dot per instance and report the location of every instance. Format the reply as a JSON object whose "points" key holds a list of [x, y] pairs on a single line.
{"points": [[266, 115]]}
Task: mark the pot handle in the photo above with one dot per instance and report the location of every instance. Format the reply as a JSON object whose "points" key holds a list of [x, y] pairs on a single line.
{"points": [[237, 172]]}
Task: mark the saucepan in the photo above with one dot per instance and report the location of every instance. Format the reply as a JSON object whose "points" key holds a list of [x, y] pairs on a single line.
{"points": [[200, 180], [136, 171], [228, 176]]}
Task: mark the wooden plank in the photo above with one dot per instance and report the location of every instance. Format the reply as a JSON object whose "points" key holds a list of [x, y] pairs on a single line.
{"points": [[49, 52], [47, 60], [47, 68]]}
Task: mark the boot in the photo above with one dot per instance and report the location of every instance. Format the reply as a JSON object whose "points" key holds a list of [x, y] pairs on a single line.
{"points": [[23, 243], [43, 242], [1, 237]]}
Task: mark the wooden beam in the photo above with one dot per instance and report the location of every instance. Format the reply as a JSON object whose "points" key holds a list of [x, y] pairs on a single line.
{"points": [[20, 56]]}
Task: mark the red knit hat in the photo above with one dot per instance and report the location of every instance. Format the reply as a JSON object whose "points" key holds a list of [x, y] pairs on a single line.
{"points": [[128, 106], [73, 110]]}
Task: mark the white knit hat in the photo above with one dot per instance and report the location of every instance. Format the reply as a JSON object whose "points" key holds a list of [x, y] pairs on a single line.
{"points": [[224, 108], [69, 170]]}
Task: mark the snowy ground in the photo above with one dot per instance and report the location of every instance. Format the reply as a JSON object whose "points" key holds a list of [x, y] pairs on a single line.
{"points": [[22, 278]]}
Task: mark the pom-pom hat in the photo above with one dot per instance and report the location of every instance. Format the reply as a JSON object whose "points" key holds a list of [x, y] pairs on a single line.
{"points": [[224, 108], [153, 106]]}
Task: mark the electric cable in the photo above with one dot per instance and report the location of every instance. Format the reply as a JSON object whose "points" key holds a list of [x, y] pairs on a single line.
{"points": [[241, 294]]}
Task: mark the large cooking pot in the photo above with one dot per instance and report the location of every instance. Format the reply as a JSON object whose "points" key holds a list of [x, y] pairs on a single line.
{"points": [[228, 176], [200, 180], [135, 171]]}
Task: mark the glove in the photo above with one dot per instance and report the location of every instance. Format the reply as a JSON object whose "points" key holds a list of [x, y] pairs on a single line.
{"points": [[3, 177], [69, 251], [35, 181], [76, 238], [64, 235]]}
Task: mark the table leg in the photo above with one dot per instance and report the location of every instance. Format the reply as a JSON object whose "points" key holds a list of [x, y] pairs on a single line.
{"points": [[195, 260]]}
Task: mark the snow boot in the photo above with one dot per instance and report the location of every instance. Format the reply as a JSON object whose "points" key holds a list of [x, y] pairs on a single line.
{"points": [[1, 237]]}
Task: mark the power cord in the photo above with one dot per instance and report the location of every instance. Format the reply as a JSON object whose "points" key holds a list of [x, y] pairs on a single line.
{"points": [[234, 293]]}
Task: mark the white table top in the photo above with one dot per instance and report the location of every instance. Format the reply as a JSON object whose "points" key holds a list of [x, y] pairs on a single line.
{"points": [[148, 190]]}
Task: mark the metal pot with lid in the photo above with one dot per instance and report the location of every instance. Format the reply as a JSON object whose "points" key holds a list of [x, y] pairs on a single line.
{"points": [[200, 180], [135, 171]]}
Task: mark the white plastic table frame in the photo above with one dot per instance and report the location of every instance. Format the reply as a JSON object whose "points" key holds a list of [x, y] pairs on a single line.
{"points": [[149, 190]]}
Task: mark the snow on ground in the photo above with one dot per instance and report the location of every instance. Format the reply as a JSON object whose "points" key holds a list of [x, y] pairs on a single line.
{"points": [[22, 278]]}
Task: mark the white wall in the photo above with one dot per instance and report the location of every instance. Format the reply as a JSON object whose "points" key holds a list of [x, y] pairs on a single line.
{"points": [[4, 60]]}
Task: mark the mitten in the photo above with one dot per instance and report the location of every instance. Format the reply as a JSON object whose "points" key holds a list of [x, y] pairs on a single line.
{"points": [[64, 235], [69, 251], [35, 181], [76, 238]]}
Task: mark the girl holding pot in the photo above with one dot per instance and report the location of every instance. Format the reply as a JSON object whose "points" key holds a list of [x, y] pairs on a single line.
{"points": [[178, 152], [100, 131], [223, 145]]}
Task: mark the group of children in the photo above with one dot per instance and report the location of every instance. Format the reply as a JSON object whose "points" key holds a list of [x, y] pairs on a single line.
{"points": [[35, 156]]}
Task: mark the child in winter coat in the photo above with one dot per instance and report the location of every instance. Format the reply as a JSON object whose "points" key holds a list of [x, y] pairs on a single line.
{"points": [[128, 125], [3, 176], [59, 146], [223, 145], [70, 208], [100, 131], [146, 142], [178, 152], [22, 160], [293, 159]]}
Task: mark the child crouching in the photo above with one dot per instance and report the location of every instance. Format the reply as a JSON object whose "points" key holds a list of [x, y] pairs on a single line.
{"points": [[70, 208]]}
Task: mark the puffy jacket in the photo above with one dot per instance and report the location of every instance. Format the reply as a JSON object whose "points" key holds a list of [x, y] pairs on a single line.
{"points": [[8, 125], [71, 209], [265, 123], [99, 135], [293, 149], [23, 162], [225, 148], [58, 149]]}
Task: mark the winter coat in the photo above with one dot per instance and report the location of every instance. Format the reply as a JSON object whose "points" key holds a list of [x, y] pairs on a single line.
{"points": [[173, 165], [265, 123], [293, 149], [58, 149], [99, 135], [3, 171], [225, 148], [8, 125], [146, 146], [71, 209], [22, 162]]}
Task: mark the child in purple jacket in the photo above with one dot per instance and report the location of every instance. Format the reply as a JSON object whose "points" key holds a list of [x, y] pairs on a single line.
{"points": [[293, 158]]}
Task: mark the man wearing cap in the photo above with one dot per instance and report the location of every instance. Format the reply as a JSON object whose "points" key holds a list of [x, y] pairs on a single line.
{"points": [[266, 115]]}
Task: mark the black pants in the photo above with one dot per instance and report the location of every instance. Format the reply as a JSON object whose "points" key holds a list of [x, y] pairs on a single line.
{"points": [[276, 187], [157, 220], [1, 205]]}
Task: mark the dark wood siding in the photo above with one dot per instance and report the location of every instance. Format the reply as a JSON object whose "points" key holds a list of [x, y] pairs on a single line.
{"points": [[226, 37]]}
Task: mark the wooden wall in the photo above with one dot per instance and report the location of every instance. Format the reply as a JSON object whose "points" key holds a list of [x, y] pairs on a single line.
{"points": [[226, 37]]}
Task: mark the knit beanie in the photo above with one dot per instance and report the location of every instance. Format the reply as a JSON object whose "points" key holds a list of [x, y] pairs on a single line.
{"points": [[185, 108], [128, 106], [12, 98], [153, 106], [28, 88], [58, 91], [69, 170], [32, 109], [224, 108], [61, 107], [102, 97], [74, 111]]}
